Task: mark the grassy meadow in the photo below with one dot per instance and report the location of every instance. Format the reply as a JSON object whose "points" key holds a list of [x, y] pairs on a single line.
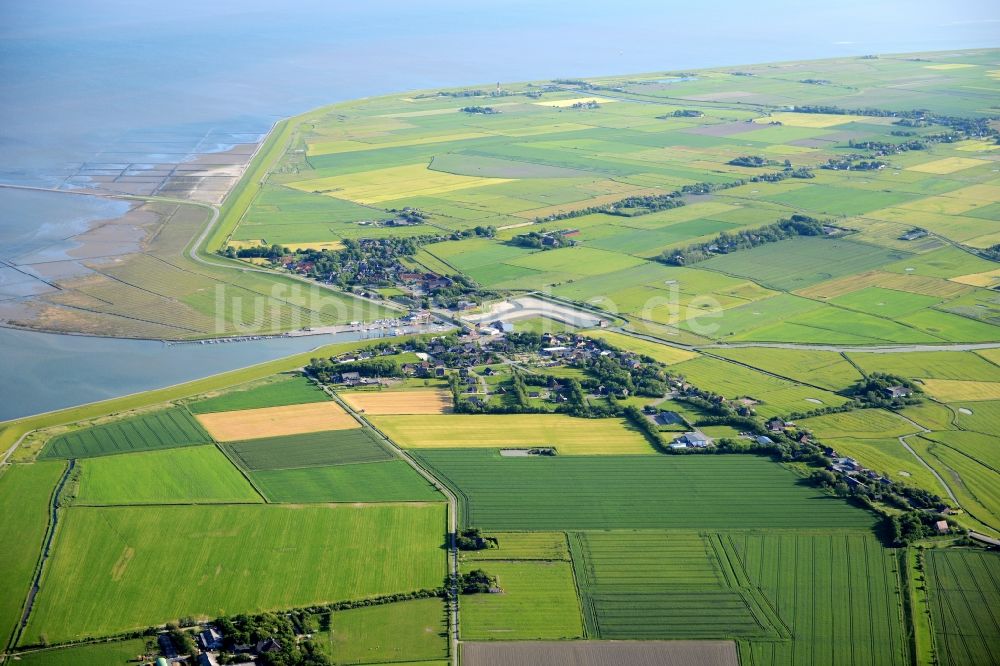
{"points": [[152, 565], [189, 475]]}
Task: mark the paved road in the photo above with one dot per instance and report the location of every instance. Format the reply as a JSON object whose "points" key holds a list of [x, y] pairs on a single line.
{"points": [[452, 517]]}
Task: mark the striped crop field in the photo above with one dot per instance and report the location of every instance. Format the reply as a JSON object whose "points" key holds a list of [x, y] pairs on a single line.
{"points": [[965, 606], [666, 585], [333, 447], [156, 430], [838, 593], [625, 492]]}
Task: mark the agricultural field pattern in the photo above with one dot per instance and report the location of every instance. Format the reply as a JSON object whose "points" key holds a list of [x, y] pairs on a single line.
{"points": [[709, 374]]}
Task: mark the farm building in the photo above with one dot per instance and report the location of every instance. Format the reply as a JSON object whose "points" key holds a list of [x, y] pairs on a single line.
{"points": [[764, 440], [692, 439], [207, 659], [893, 392], [665, 418], [942, 527]]}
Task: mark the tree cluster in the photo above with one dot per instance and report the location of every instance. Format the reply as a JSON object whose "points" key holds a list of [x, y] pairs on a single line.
{"points": [[749, 161]]}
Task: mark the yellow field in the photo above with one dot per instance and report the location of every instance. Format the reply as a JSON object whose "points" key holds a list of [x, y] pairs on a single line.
{"points": [[989, 240], [988, 192], [350, 146], [916, 284], [949, 65], [568, 435], [661, 353], [985, 279], [814, 120], [411, 180], [430, 401], [243, 244], [563, 103], [947, 165], [945, 205], [958, 390], [318, 245], [277, 421], [975, 145]]}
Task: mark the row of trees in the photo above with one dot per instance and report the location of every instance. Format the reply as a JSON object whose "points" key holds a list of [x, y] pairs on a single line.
{"points": [[726, 242]]}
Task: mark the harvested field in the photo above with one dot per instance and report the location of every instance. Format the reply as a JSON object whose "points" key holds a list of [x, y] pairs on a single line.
{"points": [[277, 421], [433, 401], [600, 653]]}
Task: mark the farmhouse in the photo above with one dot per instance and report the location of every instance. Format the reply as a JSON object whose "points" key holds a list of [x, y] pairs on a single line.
{"points": [[776, 425], [942, 527], [268, 645], [210, 639], [893, 392]]}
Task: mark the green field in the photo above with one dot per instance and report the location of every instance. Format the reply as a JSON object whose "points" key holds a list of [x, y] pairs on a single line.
{"points": [[335, 447], [971, 463], [827, 370], [964, 591], [932, 365], [776, 396], [294, 390], [406, 631], [156, 430], [25, 493], [801, 262], [838, 594], [189, 475], [860, 423], [652, 492], [117, 653], [121, 568], [392, 481], [667, 585], [547, 546], [538, 602]]}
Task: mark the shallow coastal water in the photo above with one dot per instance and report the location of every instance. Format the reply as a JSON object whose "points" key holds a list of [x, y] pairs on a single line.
{"points": [[112, 80], [43, 371]]}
